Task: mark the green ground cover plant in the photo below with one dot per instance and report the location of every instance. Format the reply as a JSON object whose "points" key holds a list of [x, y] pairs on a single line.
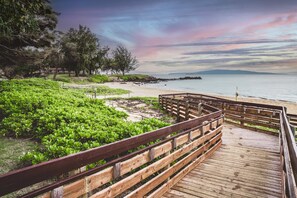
{"points": [[64, 121], [98, 78]]}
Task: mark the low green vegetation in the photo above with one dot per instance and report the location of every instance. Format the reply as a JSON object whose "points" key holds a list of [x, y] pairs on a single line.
{"points": [[133, 77], [253, 126], [104, 90], [262, 128], [80, 80], [64, 121], [99, 78]]}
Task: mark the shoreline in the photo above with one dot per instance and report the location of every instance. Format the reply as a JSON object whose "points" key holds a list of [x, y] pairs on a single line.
{"points": [[144, 91]]}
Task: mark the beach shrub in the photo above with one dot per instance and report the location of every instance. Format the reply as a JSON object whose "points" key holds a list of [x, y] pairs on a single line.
{"points": [[134, 77], [64, 121], [80, 80], [99, 78]]}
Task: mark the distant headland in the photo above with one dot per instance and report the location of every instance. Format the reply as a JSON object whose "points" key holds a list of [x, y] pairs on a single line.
{"points": [[223, 71]]}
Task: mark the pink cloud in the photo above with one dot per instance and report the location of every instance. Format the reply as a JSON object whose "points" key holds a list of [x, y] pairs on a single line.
{"points": [[277, 22], [172, 36]]}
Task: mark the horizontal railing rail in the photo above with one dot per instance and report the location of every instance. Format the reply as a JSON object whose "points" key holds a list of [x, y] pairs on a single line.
{"points": [[292, 120], [206, 129]]}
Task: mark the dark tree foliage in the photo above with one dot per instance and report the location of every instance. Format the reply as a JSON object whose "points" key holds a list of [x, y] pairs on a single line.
{"points": [[123, 60], [55, 57], [99, 60], [80, 47], [24, 27]]}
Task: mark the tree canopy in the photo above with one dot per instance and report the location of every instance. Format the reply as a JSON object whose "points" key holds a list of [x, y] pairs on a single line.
{"points": [[123, 60], [82, 50], [24, 27]]}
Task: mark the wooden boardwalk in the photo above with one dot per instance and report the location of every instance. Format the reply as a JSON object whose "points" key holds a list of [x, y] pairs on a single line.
{"points": [[200, 156], [246, 165]]}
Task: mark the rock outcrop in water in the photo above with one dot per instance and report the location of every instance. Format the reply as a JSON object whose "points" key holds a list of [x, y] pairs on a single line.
{"points": [[156, 80]]}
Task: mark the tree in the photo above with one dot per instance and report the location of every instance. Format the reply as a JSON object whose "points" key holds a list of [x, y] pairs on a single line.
{"points": [[123, 60], [99, 61], [108, 64], [55, 57], [24, 26], [80, 49]]}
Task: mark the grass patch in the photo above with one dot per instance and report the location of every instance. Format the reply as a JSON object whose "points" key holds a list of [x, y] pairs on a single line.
{"points": [[262, 128], [10, 152], [104, 90], [252, 125]]}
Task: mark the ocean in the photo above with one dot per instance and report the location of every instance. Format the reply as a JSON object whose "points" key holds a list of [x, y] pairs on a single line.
{"points": [[278, 87]]}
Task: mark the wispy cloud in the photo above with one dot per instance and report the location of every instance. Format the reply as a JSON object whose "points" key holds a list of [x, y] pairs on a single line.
{"points": [[238, 42]]}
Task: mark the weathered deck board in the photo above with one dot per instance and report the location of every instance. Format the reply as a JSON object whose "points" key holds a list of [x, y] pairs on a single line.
{"points": [[246, 165]]}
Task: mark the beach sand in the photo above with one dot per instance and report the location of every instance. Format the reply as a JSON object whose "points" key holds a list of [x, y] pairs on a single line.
{"points": [[144, 91]]}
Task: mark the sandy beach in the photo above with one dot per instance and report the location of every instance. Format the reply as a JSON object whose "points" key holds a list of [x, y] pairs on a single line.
{"points": [[144, 91]]}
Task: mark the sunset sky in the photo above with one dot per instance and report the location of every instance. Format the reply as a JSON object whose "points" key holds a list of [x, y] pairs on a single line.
{"points": [[193, 35]]}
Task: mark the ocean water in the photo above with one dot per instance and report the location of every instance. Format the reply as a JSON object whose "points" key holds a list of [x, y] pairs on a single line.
{"points": [[278, 87]]}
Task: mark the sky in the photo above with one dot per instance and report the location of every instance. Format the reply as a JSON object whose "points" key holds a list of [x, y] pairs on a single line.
{"points": [[170, 36]]}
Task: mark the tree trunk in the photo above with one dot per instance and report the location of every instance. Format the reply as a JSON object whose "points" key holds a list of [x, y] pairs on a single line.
{"points": [[76, 73], [55, 73]]}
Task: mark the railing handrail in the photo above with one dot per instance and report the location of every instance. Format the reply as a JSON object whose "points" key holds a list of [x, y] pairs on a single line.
{"points": [[214, 98], [252, 104], [10, 181]]}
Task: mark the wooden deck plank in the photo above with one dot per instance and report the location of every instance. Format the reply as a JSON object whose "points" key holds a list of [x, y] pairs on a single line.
{"points": [[246, 165], [231, 175], [226, 190], [177, 194], [248, 174], [243, 182]]}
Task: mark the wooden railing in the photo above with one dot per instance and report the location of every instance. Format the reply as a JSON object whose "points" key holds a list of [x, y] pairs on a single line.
{"points": [[146, 164], [288, 156], [256, 117], [248, 115]]}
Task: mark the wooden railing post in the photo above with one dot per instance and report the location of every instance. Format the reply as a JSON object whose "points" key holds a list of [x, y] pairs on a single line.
{"points": [[242, 115], [187, 112], [171, 106], [57, 192], [200, 108], [177, 111], [161, 101]]}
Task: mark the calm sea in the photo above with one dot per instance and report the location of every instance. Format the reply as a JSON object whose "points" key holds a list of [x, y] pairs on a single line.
{"points": [[279, 87]]}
